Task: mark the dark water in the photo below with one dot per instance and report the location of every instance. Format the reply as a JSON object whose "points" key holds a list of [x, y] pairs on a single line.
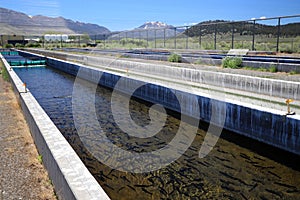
{"points": [[237, 168]]}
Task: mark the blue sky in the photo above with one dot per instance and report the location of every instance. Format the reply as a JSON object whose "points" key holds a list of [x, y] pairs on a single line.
{"points": [[125, 15]]}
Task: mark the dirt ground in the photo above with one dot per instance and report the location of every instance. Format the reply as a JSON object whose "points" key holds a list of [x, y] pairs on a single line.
{"points": [[22, 176]]}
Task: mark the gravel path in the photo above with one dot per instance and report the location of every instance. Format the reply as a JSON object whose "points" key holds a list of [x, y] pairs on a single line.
{"points": [[22, 176]]}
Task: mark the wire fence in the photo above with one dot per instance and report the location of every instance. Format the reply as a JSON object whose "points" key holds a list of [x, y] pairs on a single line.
{"points": [[264, 34], [277, 34]]}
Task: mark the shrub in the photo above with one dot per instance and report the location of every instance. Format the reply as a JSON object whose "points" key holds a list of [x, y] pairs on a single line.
{"points": [[174, 58], [293, 72], [18, 45], [232, 62], [33, 45], [7, 46], [273, 69]]}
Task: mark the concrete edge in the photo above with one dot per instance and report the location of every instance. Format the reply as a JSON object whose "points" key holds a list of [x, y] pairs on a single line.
{"points": [[70, 177]]}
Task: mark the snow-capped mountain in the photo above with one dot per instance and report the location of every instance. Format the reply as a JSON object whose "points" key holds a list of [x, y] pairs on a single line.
{"points": [[151, 25], [150, 30]]}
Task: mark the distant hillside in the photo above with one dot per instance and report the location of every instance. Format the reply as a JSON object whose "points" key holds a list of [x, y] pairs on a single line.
{"points": [[12, 22], [243, 28]]}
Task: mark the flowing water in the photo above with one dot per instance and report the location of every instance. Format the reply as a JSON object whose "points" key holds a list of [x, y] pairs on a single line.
{"points": [[237, 167]]}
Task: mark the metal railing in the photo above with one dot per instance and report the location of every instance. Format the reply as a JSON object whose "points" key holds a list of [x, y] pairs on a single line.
{"points": [[263, 34]]}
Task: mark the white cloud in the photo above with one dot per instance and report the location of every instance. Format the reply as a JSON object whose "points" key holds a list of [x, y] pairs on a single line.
{"points": [[49, 8], [191, 23]]}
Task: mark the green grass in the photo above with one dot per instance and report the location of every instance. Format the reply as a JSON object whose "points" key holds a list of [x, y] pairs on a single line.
{"points": [[232, 62], [175, 58], [272, 69], [4, 72], [294, 72], [40, 158], [261, 69]]}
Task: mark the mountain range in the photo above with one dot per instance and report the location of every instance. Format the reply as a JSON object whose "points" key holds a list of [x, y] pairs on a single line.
{"points": [[17, 23], [150, 30]]}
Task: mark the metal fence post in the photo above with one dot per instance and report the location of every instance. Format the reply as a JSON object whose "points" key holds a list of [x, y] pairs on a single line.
{"points": [[79, 41], [125, 38], [154, 38], [187, 37], [200, 37], [215, 40], [140, 44], [175, 38], [232, 38], [278, 35], [147, 33], [253, 38], [104, 41], [164, 38], [133, 33]]}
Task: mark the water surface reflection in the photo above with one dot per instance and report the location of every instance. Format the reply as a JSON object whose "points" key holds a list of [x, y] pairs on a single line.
{"points": [[230, 171]]}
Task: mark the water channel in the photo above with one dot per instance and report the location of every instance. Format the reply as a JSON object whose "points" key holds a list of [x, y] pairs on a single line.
{"points": [[237, 168]]}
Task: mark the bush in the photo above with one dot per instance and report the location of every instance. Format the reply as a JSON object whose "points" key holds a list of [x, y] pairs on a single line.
{"points": [[273, 69], [232, 62], [18, 45], [7, 46], [293, 72], [33, 45], [174, 58]]}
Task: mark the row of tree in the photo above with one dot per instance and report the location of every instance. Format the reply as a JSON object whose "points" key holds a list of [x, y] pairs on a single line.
{"points": [[243, 28]]}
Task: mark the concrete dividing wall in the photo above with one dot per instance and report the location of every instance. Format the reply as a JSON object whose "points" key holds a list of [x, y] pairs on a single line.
{"points": [[272, 87], [266, 86], [281, 67], [268, 126], [70, 177]]}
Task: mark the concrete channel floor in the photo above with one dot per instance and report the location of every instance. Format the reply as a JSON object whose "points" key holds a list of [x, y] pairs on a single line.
{"points": [[22, 176]]}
